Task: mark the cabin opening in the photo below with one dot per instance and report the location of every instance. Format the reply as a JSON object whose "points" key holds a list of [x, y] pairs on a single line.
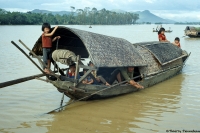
{"points": [[137, 73], [107, 72], [187, 28], [70, 41]]}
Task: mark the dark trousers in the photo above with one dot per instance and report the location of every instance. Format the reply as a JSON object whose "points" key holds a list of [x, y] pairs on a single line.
{"points": [[114, 76], [46, 55]]}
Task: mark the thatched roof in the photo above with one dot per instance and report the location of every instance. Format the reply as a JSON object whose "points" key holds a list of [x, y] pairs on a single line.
{"points": [[104, 51], [193, 29], [163, 52]]}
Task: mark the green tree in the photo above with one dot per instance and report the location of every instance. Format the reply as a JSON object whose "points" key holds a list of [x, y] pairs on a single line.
{"points": [[81, 16]]}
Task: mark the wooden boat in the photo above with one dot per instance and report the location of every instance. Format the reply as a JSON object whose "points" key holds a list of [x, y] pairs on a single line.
{"points": [[192, 31], [154, 62]]}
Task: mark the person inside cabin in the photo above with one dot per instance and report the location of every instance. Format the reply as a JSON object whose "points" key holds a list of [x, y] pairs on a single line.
{"points": [[70, 74], [47, 45], [123, 74], [99, 78], [88, 79], [94, 73], [177, 42], [161, 35], [72, 71]]}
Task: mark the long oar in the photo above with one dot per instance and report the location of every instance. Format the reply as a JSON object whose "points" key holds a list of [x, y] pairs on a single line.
{"points": [[92, 94], [20, 80]]}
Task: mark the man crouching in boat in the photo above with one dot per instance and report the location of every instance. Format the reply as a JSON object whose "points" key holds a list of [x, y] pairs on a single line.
{"points": [[125, 73]]}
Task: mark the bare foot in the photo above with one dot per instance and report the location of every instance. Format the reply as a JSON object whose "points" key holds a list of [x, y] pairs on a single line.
{"points": [[46, 71], [84, 82], [138, 86], [107, 84]]}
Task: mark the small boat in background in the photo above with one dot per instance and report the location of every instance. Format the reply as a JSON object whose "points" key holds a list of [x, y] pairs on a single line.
{"points": [[192, 31], [90, 26], [160, 26]]}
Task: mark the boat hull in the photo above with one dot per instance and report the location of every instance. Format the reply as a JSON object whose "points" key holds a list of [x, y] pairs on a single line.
{"points": [[83, 90], [192, 36]]}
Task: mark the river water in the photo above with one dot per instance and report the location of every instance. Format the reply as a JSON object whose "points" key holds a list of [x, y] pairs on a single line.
{"points": [[169, 106]]}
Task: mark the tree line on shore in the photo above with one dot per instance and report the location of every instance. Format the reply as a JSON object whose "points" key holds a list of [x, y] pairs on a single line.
{"points": [[84, 16]]}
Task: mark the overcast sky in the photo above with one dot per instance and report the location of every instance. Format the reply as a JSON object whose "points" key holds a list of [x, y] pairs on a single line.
{"points": [[177, 10]]}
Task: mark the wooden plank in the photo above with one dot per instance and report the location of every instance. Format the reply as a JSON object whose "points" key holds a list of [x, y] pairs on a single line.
{"points": [[70, 79], [84, 76]]}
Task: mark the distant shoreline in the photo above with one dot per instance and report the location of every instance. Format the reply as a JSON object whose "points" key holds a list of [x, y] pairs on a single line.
{"points": [[95, 24]]}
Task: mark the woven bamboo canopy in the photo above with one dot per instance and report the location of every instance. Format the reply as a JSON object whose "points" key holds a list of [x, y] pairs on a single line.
{"points": [[163, 52], [103, 51], [193, 29]]}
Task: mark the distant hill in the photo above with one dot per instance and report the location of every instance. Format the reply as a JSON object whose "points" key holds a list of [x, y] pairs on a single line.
{"points": [[53, 12], [144, 16], [147, 16]]}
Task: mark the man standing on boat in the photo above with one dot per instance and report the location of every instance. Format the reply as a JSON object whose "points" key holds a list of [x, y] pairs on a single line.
{"points": [[125, 73]]}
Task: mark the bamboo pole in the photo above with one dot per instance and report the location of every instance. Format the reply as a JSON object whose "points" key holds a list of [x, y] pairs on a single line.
{"points": [[174, 59], [52, 73], [33, 53], [56, 66], [12, 82], [28, 57], [16, 81], [20, 80], [54, 61], [77, 69]]}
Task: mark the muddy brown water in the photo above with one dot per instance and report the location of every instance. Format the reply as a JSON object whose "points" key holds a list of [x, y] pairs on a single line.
{"points": [[170, 105]]}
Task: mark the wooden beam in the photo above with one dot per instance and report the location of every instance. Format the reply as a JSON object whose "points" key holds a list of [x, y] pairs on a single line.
{"points": [[84, 76], [77, 69], [87, 67], [92, 76]]}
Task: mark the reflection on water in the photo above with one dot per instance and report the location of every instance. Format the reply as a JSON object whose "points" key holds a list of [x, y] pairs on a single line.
{"points": [[173, 104]]}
